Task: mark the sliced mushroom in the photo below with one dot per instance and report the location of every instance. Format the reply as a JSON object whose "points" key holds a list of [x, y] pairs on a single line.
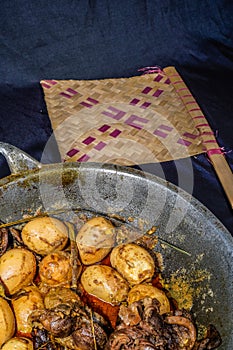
{"points": [[3, 240], [185, 322]]}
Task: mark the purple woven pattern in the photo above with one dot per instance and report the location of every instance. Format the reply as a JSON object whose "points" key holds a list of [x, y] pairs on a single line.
{"points": [[125, 121]]}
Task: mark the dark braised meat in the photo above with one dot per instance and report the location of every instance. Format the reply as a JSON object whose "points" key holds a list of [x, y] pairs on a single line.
{"points": [[42, 340], [58, 321], [143, 328], [72, 326]]}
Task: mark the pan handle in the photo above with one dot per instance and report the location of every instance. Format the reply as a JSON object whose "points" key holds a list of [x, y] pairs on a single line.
{"points": [[17, 160]]}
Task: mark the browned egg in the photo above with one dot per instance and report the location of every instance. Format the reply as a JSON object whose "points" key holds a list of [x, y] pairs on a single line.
{"points": [[18, 343], [7, 321], [59, 295], [55, 269], [133, 262], [95, 240], [45, 235], [29, 299], [17, 269], [105, 283], [141, 291]]}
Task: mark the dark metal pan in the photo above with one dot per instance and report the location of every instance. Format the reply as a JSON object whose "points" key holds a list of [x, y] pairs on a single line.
{"points": [[108, 189]]}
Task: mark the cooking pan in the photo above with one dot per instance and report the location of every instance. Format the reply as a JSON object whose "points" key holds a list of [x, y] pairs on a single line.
{"points": [[203, 259]]}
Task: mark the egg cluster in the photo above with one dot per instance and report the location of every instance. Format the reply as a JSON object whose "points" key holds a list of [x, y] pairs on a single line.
{"points": [[40, 270]]}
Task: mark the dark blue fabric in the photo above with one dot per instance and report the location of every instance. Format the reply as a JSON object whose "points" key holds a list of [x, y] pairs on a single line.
{"points": [[101, 39], [95, 39]]}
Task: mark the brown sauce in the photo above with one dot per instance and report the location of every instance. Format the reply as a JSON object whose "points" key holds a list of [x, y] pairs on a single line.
{"points": [[24, 335], [108, 311]]}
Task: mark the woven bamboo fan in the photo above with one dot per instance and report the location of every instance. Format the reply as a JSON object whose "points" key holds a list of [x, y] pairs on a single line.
{"points": [[144, 119]]}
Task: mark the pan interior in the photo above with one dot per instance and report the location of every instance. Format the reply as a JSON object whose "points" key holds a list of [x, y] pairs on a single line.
{"points": [[151, 201]]}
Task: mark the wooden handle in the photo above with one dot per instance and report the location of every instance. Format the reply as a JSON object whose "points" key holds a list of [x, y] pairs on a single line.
{"points": [[210, 144], [224, 174]]}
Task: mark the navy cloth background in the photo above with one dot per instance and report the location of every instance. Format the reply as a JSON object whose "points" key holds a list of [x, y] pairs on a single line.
{"points": [[106, 39]]}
